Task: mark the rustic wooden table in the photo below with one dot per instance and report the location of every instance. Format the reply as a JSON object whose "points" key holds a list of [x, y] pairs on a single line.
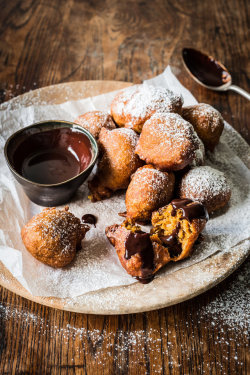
{"points": [[49, 42]]}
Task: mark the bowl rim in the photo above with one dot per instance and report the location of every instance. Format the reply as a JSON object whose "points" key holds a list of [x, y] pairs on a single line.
{"points": [[68, 124]]}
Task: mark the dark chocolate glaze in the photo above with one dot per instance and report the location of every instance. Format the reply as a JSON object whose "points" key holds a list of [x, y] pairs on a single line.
{"points": [[171, 240], [89, 219], [145, 280], [205, 68], [172, 243], [190, 210], [140, 243]]}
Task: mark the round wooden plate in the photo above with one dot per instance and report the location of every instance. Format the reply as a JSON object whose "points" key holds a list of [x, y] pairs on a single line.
{"points": [[161, 292]]}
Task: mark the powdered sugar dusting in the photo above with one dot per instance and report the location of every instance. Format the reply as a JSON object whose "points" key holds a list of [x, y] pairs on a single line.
{"points": [[58, 226], [166, 131], [205, 182], [139, 101], [155, 184], [129, 134], [208, 113], [94, 121]]}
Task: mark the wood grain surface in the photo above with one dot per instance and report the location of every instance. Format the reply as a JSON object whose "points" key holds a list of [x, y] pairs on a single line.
{"points": [[50, 42]]}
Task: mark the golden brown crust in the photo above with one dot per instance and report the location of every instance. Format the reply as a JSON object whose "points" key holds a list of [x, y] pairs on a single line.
{"points": [[117, 235], [53, 236], [136, 104], [206, 185], [168, 142], [117, 163], [207, 122], [94, 121], [148, 190]]}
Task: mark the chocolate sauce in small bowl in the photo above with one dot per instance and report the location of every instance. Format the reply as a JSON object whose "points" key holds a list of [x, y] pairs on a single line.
{"points": [[205, 68], [53, 156], [51, 159], [140, 243]]}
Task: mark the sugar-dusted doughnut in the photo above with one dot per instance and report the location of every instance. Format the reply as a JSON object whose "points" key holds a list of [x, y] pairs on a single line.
{"points": [[94, 121], [53, 236], [118, 161], [207, 122], [136, 104], [168, 142], [148, 190], [206, 185]]}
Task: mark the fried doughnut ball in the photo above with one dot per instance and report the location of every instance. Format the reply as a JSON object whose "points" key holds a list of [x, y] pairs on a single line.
{"points": [[148, 190], [94, 121], [136, 104], [168, 142], [206, 185], [207, 122], [139, 255], [53, 236], [117, 163], [178, 225]]}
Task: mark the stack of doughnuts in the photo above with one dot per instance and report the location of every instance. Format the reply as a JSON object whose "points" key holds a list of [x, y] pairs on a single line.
{"points": [[148, 126], [154, 148], [157, 152]]}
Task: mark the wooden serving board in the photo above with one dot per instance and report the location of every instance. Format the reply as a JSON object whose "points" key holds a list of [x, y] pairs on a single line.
{"points": [[161, 292]]}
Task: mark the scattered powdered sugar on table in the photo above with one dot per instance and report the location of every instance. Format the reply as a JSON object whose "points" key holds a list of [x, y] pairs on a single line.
{"points": [[97, 265], [227, 313], [231, 306]]}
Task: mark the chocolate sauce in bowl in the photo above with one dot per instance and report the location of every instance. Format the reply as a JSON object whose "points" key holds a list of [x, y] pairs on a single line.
{"points": [[140, 243], [190, 210], [206, 69], [50, 166], [52, 156]]}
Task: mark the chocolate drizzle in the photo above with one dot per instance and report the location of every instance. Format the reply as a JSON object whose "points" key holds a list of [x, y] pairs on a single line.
{"points": [[205, 68], [171, 240], [190, 210], [89, 219], [172, 243], [140, 243], [145, 280]]}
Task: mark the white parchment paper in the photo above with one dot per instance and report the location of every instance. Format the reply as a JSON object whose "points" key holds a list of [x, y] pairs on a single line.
{"points": [[97, 265]]}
